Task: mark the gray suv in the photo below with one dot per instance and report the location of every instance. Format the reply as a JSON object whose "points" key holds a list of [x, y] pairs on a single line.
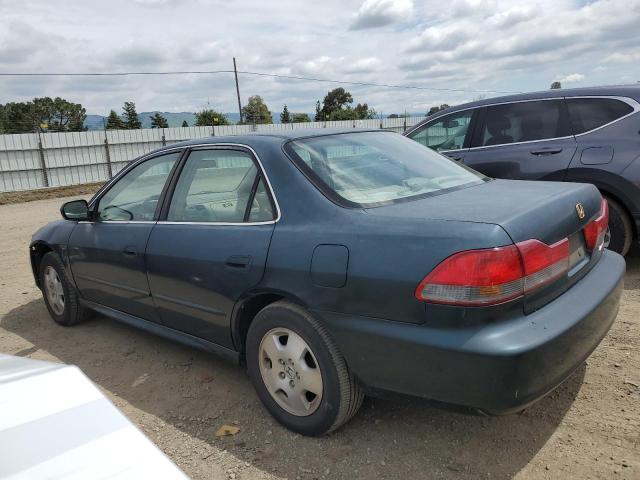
{"points": [[589, 135]]}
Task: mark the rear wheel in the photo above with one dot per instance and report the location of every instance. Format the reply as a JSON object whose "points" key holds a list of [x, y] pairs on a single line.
{"points": [[298, 371], [620, 228], [59, 295]]}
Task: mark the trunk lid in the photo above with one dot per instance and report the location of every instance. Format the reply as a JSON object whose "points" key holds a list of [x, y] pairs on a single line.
{"points": [[546, 211]]}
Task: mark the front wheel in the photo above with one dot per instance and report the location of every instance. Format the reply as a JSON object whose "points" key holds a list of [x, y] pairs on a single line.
{"points": [[620, 228], [59, 295], [298, 372]]}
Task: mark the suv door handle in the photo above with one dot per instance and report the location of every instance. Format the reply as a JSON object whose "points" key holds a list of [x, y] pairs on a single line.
{"points": [[546, 151], [130, 252], [238, 261], [456, 158]]}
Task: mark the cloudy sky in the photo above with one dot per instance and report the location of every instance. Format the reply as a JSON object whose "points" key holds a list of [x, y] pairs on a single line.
{"points": [[480, 46]]}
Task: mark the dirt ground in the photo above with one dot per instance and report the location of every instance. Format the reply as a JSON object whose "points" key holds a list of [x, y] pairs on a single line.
{"points": [[588, 428]]}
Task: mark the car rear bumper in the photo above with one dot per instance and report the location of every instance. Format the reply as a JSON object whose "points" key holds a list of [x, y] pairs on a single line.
{"points": [[499, 367]]}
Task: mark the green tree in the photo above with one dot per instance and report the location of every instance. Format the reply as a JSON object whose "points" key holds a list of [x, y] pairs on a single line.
{"points": [[58, 115], [285, 117], [318, 116], [256, 111], [209, 117], [158, 121], [300, 118], [114, 122], [556, 85], [334, 100], [184, 124], [131, 120], [41, 115]]}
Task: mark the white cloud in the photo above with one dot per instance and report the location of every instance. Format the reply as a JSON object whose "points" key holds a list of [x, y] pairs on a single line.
{"points": [[378, 13], [572, 78], [619, 57], [471, 44]]}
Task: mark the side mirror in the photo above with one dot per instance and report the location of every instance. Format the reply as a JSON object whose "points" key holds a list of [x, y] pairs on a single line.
{"points": [[75, 210], [451, 124]]}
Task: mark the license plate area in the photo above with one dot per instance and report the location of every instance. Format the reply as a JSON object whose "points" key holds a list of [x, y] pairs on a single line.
{"points": [[578, 256]]}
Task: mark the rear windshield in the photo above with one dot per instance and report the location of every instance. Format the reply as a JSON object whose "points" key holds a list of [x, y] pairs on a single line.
{"points": [[368, 169]]}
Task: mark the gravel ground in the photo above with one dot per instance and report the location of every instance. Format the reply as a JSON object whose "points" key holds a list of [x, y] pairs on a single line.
{"points": [[587, 428]]}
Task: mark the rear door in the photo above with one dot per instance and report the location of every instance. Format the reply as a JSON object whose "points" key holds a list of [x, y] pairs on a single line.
{"points": [[449, 134], [211, 245], [530, 140]]}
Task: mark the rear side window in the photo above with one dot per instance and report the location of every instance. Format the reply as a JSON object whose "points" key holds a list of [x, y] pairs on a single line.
{"points": [[217, 186], [447, 133], [524, 122], [590, 113]]}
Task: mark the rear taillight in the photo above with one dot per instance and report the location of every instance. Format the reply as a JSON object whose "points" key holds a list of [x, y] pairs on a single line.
{"points": [[494, 275], [595, 230]]}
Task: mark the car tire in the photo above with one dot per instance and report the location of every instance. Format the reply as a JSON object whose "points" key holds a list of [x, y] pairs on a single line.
{"points": [[59, 294], [620, 228], [283, 330]]}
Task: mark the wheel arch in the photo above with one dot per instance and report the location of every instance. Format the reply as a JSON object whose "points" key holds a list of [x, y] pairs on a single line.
{"points": [[246, 309], [37, 251]]}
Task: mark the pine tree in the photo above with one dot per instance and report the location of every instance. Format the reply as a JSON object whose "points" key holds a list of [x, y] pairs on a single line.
{"points": [[184, 124], [158, 121], [131, 120], [114, 122], [318, 112], [285, 117]]}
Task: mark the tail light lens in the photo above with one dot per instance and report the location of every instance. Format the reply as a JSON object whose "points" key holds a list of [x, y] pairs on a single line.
{"points": [[595, 230], [495, 275]]}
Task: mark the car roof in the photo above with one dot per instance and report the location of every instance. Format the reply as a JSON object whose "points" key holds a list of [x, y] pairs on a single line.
{"points": [[632, 91], [277, 137]]}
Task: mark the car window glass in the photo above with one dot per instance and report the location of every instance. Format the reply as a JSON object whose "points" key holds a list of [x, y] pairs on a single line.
{"points": [[261, 208], [447, 133], [135, 196], [214, 186], [589, 113], [370, 168], [523, 122]]}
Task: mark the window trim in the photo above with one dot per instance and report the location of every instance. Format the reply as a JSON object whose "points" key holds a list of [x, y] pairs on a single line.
{"points": [[628, 100], [162, 220], [172, 179]]}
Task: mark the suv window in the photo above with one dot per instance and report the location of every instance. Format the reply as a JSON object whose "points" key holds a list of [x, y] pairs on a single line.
{"points": [[135, 196], [590, 113], [216, 186], [447, 133], [523, 122]]}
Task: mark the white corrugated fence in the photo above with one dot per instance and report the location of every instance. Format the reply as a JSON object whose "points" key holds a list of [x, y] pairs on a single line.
{"points": [[39, 160]]}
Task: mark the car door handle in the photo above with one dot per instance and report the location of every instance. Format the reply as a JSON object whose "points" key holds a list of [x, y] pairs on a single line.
{"points": [[239, 261], [456, 158], [546, 151], [130, 252]]}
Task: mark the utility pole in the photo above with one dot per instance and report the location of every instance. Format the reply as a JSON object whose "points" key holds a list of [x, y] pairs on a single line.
{"points": [[235, 72]]}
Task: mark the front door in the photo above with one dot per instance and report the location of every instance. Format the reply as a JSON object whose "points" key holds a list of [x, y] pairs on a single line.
{"points": [[523, 140], [107, 254], [212, 246]]}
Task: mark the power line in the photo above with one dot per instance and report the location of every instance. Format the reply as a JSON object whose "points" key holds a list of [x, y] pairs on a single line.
{"points": [[245, 72]]}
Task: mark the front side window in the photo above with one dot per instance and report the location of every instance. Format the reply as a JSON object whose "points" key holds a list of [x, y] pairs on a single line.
{"points": [[217, 186], [524, 122], [447, 133], [366, 169], [135, 196], [590, 113]]}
